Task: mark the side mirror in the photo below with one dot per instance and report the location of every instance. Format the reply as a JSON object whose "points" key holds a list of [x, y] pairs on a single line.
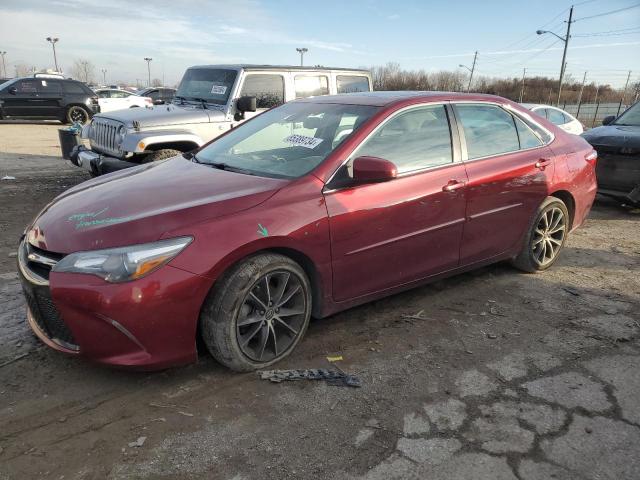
{"points": [[608, 120], [373, 170], [13, 90], [245, 104]]}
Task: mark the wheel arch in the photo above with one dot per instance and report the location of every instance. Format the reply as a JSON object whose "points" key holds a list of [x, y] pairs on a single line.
{"points": [[568, 199], [182, 146]]}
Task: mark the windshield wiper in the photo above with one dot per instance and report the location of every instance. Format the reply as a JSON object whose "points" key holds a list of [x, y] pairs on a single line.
{"points": [[182, 99], [202, 101], [229, 168]]}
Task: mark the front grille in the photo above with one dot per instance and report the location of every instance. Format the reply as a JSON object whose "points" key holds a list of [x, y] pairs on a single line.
{"points": [[35, 265], [103, 136]]}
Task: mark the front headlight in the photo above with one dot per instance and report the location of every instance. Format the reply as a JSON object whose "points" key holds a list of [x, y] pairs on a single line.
{"points": [[122, 132], [123, 264]]}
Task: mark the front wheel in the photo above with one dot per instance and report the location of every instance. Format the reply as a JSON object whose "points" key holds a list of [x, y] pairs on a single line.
{"points": [[161, 155], [545, 238], [257, 313], [77, 114]]}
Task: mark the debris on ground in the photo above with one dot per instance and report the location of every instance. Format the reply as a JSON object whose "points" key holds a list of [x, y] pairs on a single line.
{"points": [[15, 359], [416, 316], [186, 414], [333, 378], [337, 358], [572, 291], [8, 177], [138, 443]]}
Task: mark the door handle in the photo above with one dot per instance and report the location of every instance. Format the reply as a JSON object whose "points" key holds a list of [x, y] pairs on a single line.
{"points": [[452, 186], [543, 162]]}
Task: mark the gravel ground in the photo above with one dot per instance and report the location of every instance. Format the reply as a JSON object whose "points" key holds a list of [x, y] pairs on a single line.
{"points": [[502, 375]]}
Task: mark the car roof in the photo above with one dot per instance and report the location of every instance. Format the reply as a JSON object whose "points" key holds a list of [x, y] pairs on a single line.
{"points": [[385, 98], [249, 66]]}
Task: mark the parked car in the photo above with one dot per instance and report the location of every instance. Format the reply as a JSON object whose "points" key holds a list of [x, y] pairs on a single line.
{"points": [[111, 99], [45, 96], [618, 144], [558, 117], [210, 101], [159, 95], [313, 207]]}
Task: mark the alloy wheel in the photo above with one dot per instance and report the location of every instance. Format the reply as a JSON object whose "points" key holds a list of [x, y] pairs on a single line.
{"points": [[272, 316], [548, 236], [78, 115]]}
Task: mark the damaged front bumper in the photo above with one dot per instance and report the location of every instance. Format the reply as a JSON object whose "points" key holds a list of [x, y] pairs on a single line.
{"points": [[97, 164]]}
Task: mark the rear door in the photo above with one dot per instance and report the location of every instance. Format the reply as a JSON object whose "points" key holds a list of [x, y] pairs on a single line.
{"points": [[388, 234], [23, 102], [509, 171]]}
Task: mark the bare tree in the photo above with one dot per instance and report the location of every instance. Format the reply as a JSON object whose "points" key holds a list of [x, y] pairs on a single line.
{"points": [[83, 70], [22, 69], [156, 82]]}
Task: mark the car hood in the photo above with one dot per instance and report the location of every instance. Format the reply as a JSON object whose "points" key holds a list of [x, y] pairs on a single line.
{"points": [[161, 115], [139, 204], [614, 136]]}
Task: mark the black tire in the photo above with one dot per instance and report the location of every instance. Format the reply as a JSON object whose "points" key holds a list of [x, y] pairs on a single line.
{"points": [[231, 320], [545, 238], [161, 155], [77, 113]]}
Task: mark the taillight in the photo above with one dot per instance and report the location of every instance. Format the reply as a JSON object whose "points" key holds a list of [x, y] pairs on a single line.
{"points": [[591, 157]]}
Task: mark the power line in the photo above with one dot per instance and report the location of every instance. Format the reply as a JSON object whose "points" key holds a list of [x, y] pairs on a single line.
{"points": [[611, 12]]}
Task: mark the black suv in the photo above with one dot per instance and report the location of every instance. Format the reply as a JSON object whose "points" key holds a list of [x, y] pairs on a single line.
{"points": [[159, 95], [43, 97]]}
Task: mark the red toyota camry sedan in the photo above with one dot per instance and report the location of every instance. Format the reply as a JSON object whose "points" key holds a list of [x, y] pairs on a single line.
{"points": [[305, 210]]}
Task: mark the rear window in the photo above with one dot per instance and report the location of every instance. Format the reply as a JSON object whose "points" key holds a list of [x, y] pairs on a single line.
{"points": [[311, 85], [556, 117], [352, 83]]}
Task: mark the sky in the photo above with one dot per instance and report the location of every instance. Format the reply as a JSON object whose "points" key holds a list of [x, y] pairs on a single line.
{"points": [[116, 35]]}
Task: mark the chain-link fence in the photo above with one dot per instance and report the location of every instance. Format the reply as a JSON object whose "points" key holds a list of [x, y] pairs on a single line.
{"points": [[592, 114]]}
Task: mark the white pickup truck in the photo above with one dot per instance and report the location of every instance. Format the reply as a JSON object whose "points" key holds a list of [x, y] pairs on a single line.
{"points": [[210, 100]]}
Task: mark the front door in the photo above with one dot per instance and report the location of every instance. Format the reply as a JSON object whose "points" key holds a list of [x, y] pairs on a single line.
{"points": [[387, 234], [509, 172]]}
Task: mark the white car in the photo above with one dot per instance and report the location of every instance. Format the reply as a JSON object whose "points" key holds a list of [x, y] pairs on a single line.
{"points": [[557, 116], [111, 99]]}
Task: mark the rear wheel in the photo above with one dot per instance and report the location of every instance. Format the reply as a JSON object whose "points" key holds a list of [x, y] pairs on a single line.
{"points": [[258, 312], [545, 238], [77, 114], [161, 155]]}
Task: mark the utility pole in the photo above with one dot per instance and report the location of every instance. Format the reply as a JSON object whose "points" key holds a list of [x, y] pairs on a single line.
{"points": [[584, 79], [524, 72], [4, 65], [472, 69], [104, 76], [53, 41], [302, 51], [624, 93], [565, 39], [148, 60]]}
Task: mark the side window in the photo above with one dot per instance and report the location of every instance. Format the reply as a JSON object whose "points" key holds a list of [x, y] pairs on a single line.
{"points": [[488, 130], [556, 117], [73, 88], [27, 86], [311, 85], [413, 140], [268, 89], [352, 83], [153, 94], [103, 94], [528, 139], [119, 94], [49, 87]]}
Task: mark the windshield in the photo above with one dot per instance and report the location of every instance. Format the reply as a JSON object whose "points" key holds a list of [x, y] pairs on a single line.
{"points": [[7, 83], [288, 141], [210, 84], [630, 117]]}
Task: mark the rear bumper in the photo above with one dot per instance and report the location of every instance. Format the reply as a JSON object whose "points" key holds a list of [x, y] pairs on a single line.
{"points": [[97, 164]]}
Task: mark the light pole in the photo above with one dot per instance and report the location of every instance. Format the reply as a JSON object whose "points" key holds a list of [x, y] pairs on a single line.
{"points": [[564, 52], [473, 67], [104, 76], [53, 41], [148, 60], [4, 65], [302, 51]]}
